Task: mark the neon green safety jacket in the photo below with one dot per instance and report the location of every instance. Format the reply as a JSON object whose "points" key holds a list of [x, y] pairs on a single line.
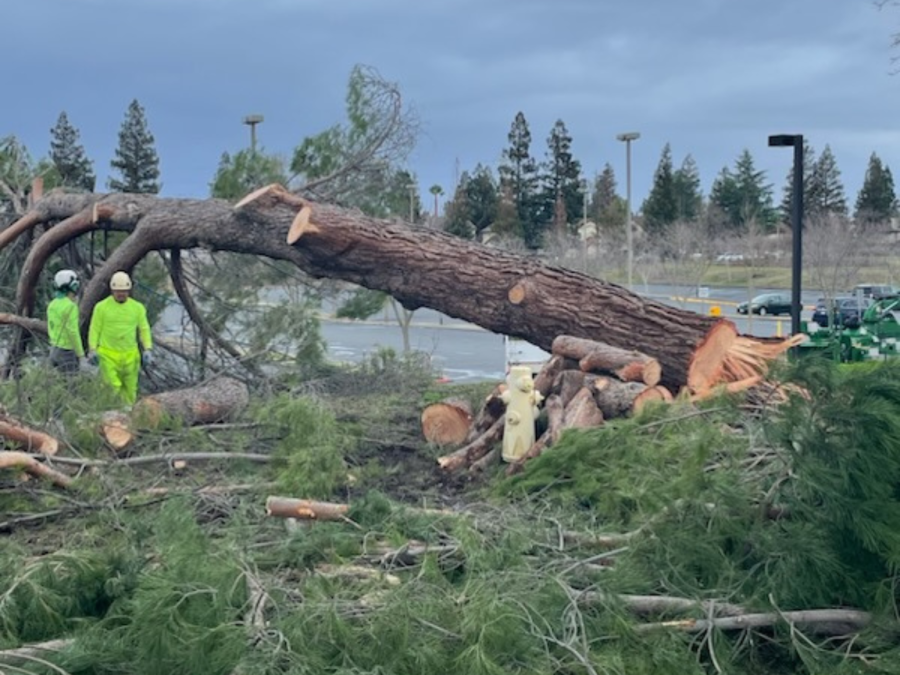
{"points": [[116, 326], [62, 324]]}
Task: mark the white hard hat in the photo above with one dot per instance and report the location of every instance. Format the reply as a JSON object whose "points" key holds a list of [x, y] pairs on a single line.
{"points": [[66, 280], [120, 282]]}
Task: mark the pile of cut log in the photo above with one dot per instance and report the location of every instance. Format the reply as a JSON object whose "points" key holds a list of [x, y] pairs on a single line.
{"points": [[584, 383]]}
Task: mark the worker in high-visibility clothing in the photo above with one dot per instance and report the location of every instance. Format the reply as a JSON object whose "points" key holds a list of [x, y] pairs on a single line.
{"points": [[118, 324], [66, 348]]}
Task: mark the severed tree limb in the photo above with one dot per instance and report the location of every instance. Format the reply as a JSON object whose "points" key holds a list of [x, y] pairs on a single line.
{"points": [[474, 450], [305, 509], [168, 457], [567, 384], [829, 622], [492, 409], [10, 459], [30, 439], [644, 605], [36, 326]]}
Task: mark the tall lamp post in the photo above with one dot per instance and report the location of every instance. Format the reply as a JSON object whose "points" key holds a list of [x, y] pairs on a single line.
{"points": [[252, 121], [795, 141], [629, 236]]}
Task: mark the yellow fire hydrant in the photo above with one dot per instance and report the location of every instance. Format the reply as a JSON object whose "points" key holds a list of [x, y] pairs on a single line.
{"points": [[521, 411]]}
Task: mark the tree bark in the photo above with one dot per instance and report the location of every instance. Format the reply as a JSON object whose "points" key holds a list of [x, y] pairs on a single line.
{"points": [[216, 400], [492, 409], [447, 422], [567, 384], [614, 398], [582, 411], [417, 266]]}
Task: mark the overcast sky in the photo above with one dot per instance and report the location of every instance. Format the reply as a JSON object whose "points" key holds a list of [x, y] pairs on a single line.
{"points": [[711, 77]]}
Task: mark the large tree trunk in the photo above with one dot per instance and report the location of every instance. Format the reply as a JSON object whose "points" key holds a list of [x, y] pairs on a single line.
{"points": [[502, 292]]}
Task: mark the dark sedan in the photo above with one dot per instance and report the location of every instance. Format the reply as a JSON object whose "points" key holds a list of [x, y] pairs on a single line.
{"points": [[846, 311], [767, 303]]}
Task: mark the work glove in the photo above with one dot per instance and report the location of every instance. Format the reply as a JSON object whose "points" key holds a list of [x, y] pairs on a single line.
{"points": [[93, 359], [147, 358]]}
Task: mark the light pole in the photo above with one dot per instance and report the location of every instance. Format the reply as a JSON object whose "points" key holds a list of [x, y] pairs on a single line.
{"points": [[795, 141], [412, 202], [629, 236], [252, 121]]}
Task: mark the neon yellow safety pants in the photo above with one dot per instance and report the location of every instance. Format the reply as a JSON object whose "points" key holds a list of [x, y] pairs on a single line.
{"points": [[121, 371]]}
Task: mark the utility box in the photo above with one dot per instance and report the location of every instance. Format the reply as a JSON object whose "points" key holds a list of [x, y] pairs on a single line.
{"points": [[522, 353]]}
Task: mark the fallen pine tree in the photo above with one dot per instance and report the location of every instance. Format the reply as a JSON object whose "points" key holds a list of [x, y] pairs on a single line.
{"points": [[503, 292]]}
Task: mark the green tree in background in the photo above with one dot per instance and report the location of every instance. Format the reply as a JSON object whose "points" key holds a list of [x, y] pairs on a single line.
{"points": [[607, 208], [743, 196], [136, 160], [245, 171], [561, 192], [688, 195], [68, 156], [660, 209], [825, 193], [519, 174], [877, 200], [474, 205]]}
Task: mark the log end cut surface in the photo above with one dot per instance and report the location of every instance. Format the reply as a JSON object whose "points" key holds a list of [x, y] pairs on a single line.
{"points": [[447, 422]]}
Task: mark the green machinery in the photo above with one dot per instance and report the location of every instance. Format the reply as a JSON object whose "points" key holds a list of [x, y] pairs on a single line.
{"points": [[874, 336]]}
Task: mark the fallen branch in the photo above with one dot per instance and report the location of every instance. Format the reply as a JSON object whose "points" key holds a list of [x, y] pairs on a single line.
{"points": [[21, 460], [167, 457], [829, 622], [30, 439], [644, 605], [474, 450], [19, 655], [305, 509]]}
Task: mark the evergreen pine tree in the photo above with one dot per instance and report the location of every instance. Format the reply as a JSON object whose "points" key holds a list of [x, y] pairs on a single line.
{"points": [[561, 195], [660, 209], [688, 197], [482, 198], [724, 197], [518, 173], [825, 194], [458, 220], [136, 159], [607, 207], [876, 201], [809, 163], [68, 156], [754, 194]]}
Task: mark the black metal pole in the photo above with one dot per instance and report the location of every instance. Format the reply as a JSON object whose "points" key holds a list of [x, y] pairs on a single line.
{"points": [[797, 230]]}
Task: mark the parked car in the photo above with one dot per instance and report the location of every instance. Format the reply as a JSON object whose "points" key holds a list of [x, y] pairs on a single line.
{"points": [[845, 311], [767, 303], [874, 291]]}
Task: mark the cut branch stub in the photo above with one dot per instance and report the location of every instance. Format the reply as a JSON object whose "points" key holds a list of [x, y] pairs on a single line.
{"points": [[26, 437], [301, 225]]}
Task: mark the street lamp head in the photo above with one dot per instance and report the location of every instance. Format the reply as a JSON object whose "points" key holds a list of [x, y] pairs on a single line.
{"points": [[253, 119], [628, 136], [785, 140]]}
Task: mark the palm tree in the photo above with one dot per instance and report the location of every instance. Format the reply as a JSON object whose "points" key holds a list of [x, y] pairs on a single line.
{"points": [[437, 191]]}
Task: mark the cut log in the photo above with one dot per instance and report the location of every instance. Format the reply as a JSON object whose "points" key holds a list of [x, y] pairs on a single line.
{"points": [[544, 380], [305, 509], [216, 400], [474, 450], [116, 429], [582, 411], [649, 395], [594, 356], [20, 460], [417, 266], [567, 384], [492, 409], [615, 398], [447, 422], [27, 438]]}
